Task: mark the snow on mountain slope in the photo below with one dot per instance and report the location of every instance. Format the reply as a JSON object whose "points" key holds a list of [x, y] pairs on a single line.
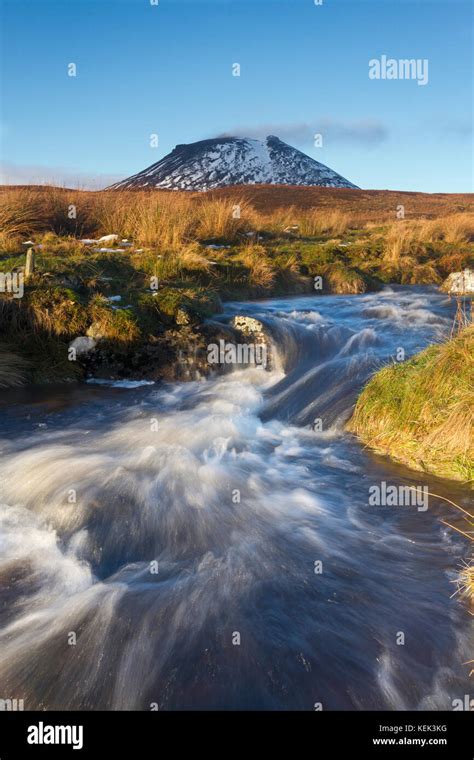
{"points": [[225, 161]]}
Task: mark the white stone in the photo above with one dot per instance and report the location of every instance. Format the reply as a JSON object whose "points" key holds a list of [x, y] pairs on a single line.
{"points": [[460, 283], [108, 239], [83, 344]]}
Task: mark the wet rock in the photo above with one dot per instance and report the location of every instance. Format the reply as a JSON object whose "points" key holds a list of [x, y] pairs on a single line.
{"points": [[250, 327], [253, 331]]}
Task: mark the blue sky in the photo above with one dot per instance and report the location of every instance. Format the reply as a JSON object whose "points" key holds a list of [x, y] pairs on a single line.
{"points": [[167, 69]]}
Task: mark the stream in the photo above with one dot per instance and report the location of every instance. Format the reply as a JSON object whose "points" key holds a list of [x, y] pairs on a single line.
{"points": [[204, 546]]}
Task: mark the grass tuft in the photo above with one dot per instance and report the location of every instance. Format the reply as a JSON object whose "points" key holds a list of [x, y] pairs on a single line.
{"points": [[421, 411]]}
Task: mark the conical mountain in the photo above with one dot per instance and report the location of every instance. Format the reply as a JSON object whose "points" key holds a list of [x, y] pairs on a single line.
{"points": [[224, 161]]}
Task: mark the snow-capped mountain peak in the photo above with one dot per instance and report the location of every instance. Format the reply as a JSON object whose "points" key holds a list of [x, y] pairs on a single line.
{"points": [[223, 161]]}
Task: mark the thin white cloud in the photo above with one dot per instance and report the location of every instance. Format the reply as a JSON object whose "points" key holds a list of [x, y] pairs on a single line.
{"points": [[368, 132]]}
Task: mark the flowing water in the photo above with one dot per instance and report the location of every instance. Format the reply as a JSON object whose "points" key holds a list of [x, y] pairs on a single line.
{"points": [[176, 532]]}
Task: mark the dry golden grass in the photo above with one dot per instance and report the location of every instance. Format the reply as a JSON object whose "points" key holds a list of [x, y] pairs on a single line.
{"points": [[278, 220], [316, 222], [223, 219], [19, 215], [399, 241], [169, 232], [404, 237], [164, 220], [306, 223], [453, 228], [169, 219], [262, 272]]}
